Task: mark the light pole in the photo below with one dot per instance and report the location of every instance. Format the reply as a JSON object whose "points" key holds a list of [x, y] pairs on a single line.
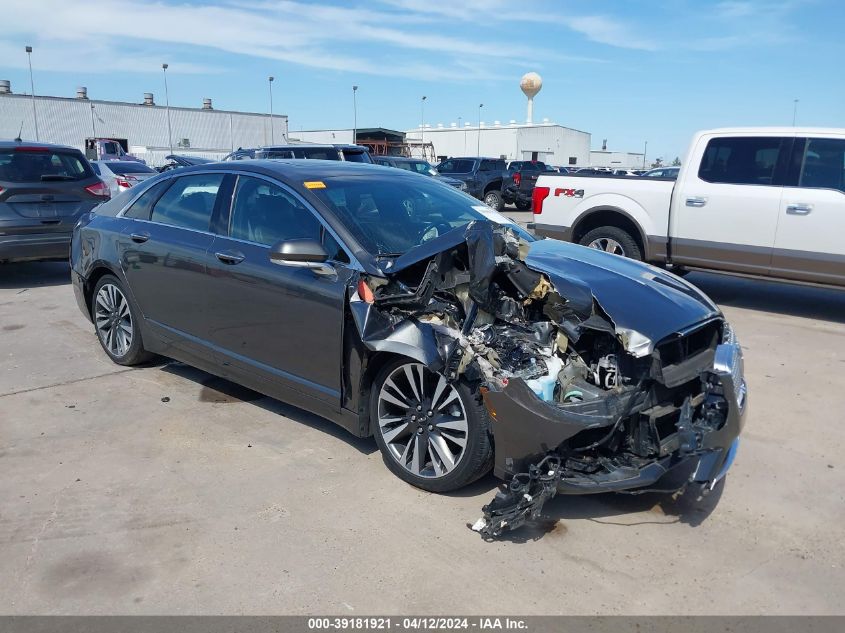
{"points": [[465, 135], [645, 150], [478, 147], [272, 136], [32, 90], [422, 125], [794, 111], [93, 125], [167, 102], [354, 114]]}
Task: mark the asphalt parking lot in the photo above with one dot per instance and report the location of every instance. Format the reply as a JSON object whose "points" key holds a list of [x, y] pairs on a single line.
{"points": [[165, 490]]}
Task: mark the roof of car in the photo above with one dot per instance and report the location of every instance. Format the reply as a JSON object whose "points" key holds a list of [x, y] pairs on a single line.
{"points": [[293, 168], [401, 159], [6, 144]]}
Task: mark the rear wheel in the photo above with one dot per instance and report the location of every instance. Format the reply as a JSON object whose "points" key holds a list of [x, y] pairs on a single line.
{"points": [[116, 323], [612, 239], [493, 199], [432, 434]]}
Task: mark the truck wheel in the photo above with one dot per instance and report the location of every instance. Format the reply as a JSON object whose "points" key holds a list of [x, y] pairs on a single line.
{"points": [[523, 206], [612, 239], [431, 433], [493, 199]]}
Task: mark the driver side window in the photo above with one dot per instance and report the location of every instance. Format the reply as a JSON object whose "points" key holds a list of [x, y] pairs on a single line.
{"points": [[265, 213]]}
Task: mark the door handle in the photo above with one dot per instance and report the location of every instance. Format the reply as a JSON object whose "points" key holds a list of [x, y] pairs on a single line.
{"points": [[140, 238], [696, 202], [799, 209], [230, 257]]}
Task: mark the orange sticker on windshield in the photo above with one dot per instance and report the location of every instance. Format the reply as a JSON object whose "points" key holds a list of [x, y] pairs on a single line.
{"points": [[314, 184]]}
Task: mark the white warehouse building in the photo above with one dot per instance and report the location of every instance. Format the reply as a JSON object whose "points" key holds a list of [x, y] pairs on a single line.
{"points": [[142, 128], [547, 142]]}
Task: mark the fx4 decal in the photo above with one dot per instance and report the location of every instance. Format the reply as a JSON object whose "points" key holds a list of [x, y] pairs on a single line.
{"points": [[570, 193]]}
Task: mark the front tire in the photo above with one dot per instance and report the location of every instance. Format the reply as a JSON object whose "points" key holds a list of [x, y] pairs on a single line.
{"points": [[494, 200], [432, 434], [612, 239], [116, 323]]}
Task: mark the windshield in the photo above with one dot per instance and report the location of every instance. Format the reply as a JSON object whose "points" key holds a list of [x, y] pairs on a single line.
{"points": [[456, 166], [392, 216], [356, 156]]}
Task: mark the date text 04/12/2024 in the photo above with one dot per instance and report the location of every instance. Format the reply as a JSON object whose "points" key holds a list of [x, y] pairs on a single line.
{"points": [[416, 623]]}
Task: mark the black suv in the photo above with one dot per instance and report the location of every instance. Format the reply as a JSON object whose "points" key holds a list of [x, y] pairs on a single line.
{"points": [[484, 177], [522, 176], [44, 189]]}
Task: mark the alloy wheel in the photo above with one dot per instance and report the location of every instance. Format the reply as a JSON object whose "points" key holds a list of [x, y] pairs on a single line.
{"points": [[608, 245], [113, 320], [422, 421]]}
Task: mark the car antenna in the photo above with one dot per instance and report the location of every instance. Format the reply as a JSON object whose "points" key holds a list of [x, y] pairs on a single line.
{"points": [[18, 138]]}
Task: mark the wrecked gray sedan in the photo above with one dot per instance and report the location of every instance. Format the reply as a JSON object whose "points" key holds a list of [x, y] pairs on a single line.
{"points": [[401, 308]]}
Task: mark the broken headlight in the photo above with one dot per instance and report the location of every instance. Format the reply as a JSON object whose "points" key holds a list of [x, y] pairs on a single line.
{"points": [[728, 335]]}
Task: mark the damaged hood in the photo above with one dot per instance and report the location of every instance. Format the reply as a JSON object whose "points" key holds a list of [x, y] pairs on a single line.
{"points": [[634, 295]]}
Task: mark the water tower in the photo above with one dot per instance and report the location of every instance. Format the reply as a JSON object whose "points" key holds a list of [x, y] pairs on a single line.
{"points": [[530, 84]]}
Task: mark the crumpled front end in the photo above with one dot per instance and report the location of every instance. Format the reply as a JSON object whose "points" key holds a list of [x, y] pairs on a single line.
{"points": [[598, 375]]}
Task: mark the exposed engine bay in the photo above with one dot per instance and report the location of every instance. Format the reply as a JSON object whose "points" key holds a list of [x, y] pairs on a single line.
{"points": [[586, 391]]}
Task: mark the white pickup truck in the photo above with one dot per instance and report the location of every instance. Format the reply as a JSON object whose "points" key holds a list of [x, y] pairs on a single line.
{"points": [[758, 201]]}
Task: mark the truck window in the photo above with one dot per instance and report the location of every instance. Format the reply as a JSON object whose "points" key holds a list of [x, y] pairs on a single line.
{"points": [[456, 166], [740, 160], [824, 164]]}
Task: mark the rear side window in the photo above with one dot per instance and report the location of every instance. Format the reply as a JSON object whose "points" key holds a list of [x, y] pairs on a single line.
{"points": [[824, 164], [188, 202], [316, 153], [741, 160], [356, 156], [456, 166], [143, 206], [36, 165]]}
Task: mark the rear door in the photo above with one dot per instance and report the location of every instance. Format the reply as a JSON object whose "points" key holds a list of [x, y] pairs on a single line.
{"points": [[163, 255], [276, 327], [725, 212], [43, 189], [809, 244]]}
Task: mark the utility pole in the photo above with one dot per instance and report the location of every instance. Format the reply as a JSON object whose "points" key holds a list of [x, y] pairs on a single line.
{"points": [[354, 114], [794, 111], [32, 90], [272, 135], [645, 151], [422, 125], [465, 135], [167, 101], [478, 147]]}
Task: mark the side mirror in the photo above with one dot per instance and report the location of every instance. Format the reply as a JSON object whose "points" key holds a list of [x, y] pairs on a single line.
{"points": [[303, 251]]}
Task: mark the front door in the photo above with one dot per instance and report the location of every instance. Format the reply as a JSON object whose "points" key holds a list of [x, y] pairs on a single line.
{"points": [[809, 245], [275, 327], [724, 213]]}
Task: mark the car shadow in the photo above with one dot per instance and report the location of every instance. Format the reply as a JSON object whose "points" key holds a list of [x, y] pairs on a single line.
{"points": [[21, 275], [219, 390], [825, 304]]}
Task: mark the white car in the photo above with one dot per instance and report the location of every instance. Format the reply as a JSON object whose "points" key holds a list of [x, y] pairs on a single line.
{"points": [[766, 202], [120, 175]]}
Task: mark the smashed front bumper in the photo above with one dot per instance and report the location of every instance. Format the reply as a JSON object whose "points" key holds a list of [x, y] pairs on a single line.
{"points": [[530, 435]]}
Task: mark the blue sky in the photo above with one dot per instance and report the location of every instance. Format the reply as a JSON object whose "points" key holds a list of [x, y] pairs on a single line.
{"points": [[626, 71]]}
